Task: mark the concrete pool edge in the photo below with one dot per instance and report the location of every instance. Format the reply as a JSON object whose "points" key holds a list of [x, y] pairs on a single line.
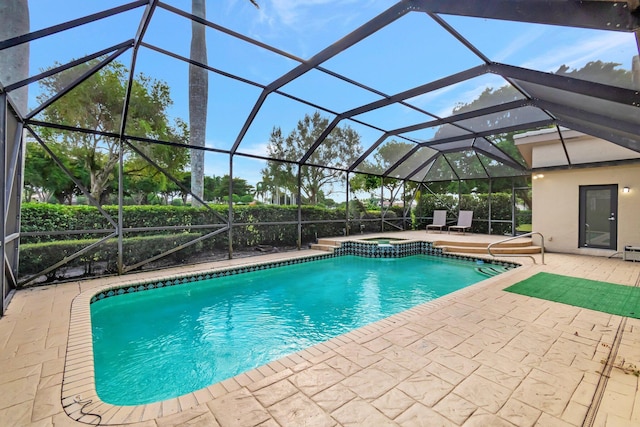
{"points": [[81, 402], [79, 397], [402, 248]]}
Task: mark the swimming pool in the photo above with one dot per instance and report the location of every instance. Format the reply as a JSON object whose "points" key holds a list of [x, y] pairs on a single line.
{"points": [[150, 346]]}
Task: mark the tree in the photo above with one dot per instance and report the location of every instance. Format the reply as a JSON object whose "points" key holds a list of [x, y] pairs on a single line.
{"points": [[198, 98], [210, 185], [45, 179], [385, 158], [604, 72], [97, 104], [261, 190], [220, 187], [171, 190], [341, 148], [143, 180], [601, 72], [143, 189]]}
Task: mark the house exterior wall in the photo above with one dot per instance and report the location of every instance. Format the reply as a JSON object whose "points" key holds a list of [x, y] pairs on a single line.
{"points": [[556, 206]]}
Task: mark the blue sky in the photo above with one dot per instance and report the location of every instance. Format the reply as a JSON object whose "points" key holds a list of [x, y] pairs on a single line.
{"points": [[412, 51]]}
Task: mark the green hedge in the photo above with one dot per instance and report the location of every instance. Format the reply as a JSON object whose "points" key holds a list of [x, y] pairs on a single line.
{"points": [[523, 217], [35, 257], [44, 217], [40, 252], [479, 203]]}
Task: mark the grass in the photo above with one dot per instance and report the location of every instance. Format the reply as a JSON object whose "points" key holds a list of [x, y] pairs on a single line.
{"points": [[525, 228], [594, 295]]}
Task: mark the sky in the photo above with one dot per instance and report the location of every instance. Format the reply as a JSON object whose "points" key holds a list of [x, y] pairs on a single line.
{"points": [[409, 52]]}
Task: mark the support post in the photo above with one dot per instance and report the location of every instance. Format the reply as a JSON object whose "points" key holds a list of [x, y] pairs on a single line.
{"points": [[404, 205], [489, 199], [17, 197], [299, 201], [14, 131], [381, 203], [4, 290], [513, 206], [120, 207], [347, 221], [230, 216]]}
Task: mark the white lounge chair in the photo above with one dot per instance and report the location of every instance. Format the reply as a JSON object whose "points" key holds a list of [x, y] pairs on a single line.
{"points": [[464, 222], [439, 221]]}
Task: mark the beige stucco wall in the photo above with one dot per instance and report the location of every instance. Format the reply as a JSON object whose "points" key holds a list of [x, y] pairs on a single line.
{"points": [[556, 206]]}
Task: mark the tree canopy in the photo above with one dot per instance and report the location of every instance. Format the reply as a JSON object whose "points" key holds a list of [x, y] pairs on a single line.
{"points": [[603, 72], [385, 158], [340, 148], [45, 179], [216, 188], [97, 104]]}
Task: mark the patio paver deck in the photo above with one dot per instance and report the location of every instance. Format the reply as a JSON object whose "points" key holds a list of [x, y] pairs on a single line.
{"points": [[478, 357]]}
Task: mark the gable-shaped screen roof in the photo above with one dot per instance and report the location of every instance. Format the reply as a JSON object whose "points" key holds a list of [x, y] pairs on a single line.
{"points": [[435, 88]]}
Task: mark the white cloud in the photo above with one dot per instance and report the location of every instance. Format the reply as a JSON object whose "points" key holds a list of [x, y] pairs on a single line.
{"points": [[258, 149], [297, 13], [216, 166], [519, 44], [440, 102], [608, 47], [249, 170], [317, 23]]}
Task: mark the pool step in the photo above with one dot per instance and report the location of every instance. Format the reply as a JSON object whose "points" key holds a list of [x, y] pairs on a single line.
{"points": [[516, 247], [494, 250], [524, 247], [492, 270], [325, 245]]}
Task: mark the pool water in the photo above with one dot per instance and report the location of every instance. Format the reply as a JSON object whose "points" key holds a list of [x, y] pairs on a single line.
{"points": [[383, 240], [163, 343]]}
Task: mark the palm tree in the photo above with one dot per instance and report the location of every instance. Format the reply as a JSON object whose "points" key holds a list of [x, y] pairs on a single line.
{"points": [[198, 97]]}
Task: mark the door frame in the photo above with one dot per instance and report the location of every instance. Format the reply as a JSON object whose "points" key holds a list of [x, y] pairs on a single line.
{"points": [[613, 228]]}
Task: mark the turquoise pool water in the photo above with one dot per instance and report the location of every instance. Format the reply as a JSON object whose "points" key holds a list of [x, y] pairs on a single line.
{"points": [[158, 344], [383, 239]]}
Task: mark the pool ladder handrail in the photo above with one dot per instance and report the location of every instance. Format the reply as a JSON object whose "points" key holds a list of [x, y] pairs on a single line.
{"points": [[519, 255]]}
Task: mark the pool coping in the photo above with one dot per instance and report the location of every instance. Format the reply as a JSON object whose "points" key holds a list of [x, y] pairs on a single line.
{"points": [[79, 396]]}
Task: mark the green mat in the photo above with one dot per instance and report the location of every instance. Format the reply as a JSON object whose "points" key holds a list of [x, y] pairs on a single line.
{"points": [[601, 296]]}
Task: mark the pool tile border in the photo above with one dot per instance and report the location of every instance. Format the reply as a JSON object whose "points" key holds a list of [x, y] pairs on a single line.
{"points": [[79, 396], [357, 248], [111, 291]]}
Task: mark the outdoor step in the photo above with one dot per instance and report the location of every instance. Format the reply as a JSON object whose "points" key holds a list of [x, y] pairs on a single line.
{"points": [[328, 242], [496, 250], [512, 244], [320, 247]]}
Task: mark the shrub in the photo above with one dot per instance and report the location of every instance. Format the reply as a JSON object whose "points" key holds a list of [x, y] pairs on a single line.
{"points": [[40, 252], [35, 257], [501, 206]]}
